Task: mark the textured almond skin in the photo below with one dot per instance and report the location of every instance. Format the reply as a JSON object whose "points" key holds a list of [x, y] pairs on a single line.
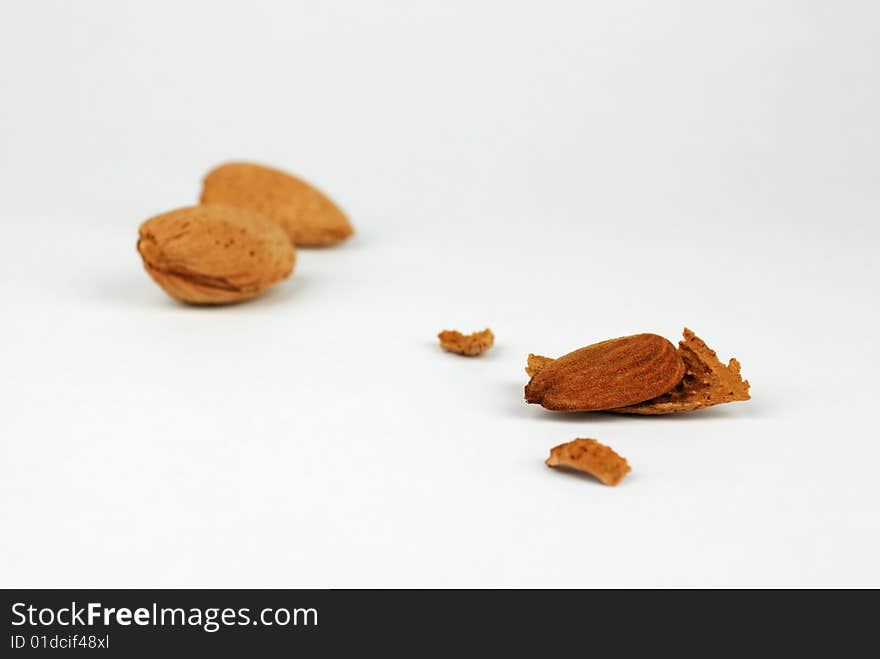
{"points": [[606, 375], [308, 216], [214, 254]]}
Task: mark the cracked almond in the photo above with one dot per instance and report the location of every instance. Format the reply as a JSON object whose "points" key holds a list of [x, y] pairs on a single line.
{"points": [[607, 375]]}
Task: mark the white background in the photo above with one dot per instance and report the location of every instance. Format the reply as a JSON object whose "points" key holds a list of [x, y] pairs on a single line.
{"points": [[561, 172]]}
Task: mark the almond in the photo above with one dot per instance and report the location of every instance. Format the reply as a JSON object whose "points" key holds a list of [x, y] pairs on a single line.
{"points": [[605, 375], [214, 254], [308, 216]]}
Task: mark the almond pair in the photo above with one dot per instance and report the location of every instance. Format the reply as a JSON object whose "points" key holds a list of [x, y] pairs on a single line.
{"points": [[241, 239]]}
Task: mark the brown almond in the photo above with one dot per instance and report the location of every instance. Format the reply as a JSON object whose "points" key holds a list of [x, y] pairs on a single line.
{"points": [[214, 254], [606, 375], [309, 217]]}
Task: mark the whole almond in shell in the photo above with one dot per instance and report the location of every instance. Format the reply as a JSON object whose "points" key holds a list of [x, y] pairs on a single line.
{"points": [[308, 216], [607, 375], [214, 254]]}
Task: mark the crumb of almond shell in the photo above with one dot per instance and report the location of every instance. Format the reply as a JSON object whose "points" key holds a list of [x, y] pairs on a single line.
{"points": [[592, 457], [468, 345]]}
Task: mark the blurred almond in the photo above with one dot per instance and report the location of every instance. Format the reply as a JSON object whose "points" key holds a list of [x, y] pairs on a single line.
{"points": [[308, 216]]}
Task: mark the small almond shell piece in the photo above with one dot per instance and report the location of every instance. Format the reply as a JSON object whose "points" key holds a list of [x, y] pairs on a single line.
{"points": [[607, 375], [535, 363], [589, 456], [310, 218], [214, 254], [469, 345]]}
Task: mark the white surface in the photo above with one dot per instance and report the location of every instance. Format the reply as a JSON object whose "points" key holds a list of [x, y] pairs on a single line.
{"points": [[560, 172]]}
